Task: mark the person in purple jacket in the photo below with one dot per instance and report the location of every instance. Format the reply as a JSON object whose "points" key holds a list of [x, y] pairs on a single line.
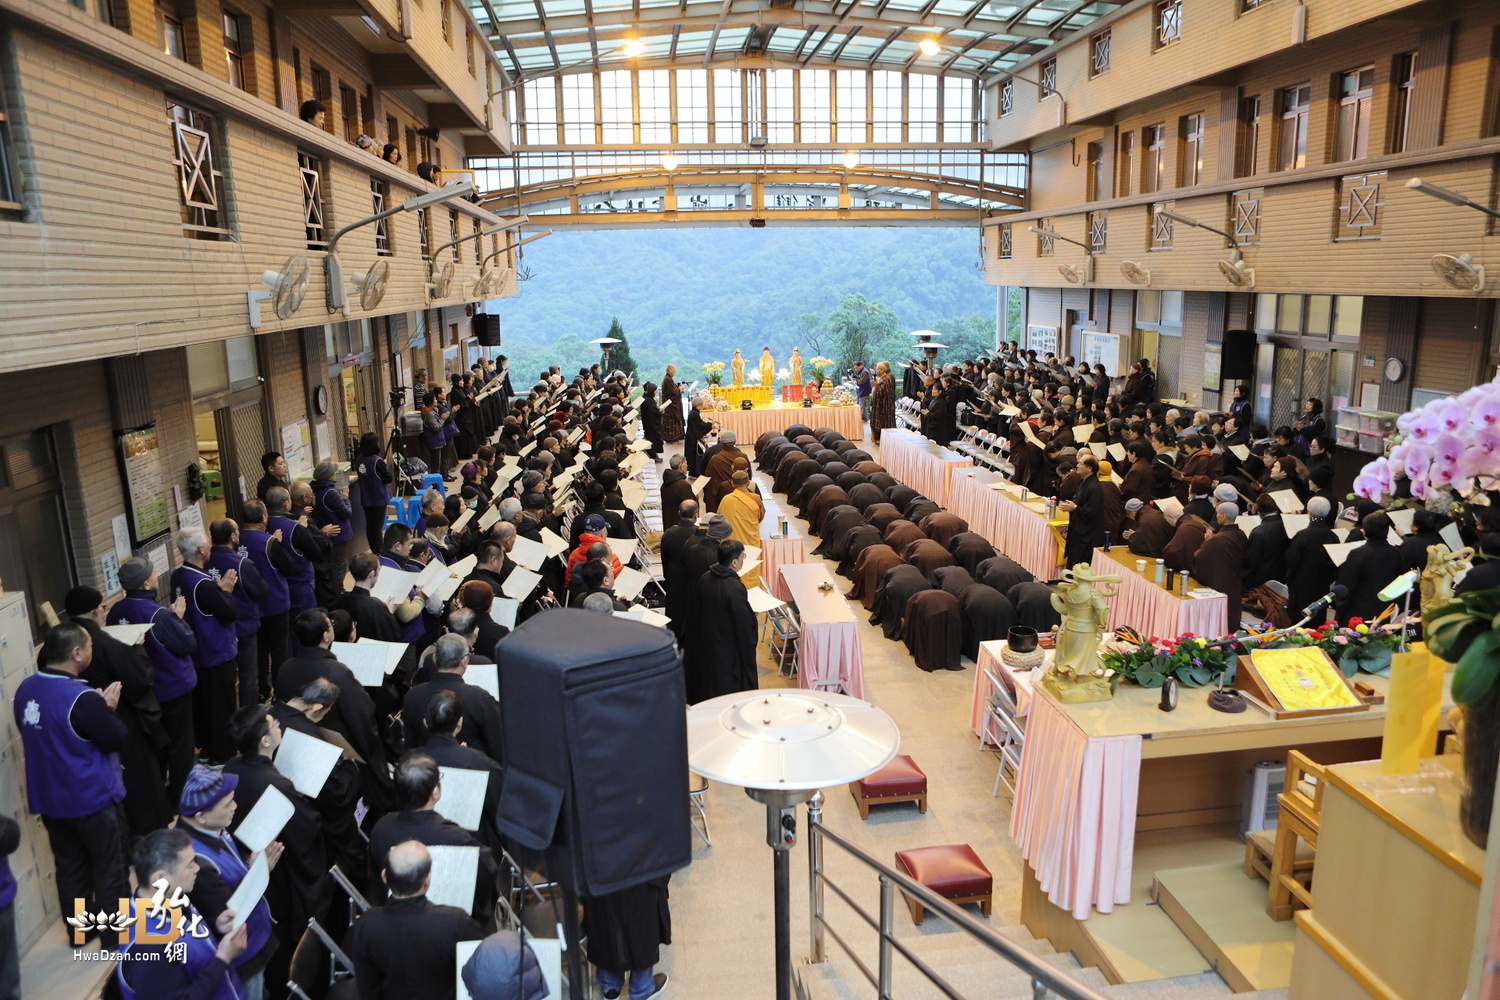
{"points": [[228, 553], [330, 509], [267, 549], [170, 646], [212, 612], [374, 487], [10, 944]]}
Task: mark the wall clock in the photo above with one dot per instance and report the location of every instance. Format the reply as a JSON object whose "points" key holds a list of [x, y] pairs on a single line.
{"points": [[1395, 368], [320, 399]]}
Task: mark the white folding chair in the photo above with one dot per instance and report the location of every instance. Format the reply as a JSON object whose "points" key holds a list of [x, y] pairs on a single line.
{"points": [[785, 632]]}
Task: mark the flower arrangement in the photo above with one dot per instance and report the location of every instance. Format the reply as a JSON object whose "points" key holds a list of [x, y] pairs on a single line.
{"points": [[842, 396], [714, 372], [818, 368], [1450, 444], [1357, 646], [1149, 662]]}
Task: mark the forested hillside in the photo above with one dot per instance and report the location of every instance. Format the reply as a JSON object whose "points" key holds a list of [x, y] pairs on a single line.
{"points": [[693, 295]]}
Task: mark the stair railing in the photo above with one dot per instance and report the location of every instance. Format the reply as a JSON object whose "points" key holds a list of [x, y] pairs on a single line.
{"points": [[1046, 980]]}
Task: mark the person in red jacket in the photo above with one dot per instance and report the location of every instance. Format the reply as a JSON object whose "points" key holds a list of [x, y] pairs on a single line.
{"points": [[595, 531]]}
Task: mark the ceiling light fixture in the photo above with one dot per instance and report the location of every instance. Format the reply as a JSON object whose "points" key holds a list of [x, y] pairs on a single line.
{"points": [[634, 47], [669, 162], [851, 160], [929, 46]]}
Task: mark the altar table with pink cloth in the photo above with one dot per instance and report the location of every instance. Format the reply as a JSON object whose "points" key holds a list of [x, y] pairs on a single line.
{"points": [[750, 424], [788, 550], [828, 652], [1017, 682], [1018, 530], [1152, 610], [919, 463]]}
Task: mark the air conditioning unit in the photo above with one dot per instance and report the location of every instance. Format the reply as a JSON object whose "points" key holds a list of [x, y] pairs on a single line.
{"points": [[1263, 782]]}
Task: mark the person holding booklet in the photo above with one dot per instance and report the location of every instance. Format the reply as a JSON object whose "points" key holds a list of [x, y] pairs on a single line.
{"points": [[205, 811], [481, 712], [445, 722]]}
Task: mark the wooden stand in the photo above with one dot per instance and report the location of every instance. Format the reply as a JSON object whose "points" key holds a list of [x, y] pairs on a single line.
{"points": [[1248, 681]]}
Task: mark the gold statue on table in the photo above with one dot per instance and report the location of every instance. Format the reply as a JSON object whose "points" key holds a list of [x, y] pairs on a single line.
{"points": [[767, 367], [795, 366], [1077, 672], [1441, 573], [737, 368]]}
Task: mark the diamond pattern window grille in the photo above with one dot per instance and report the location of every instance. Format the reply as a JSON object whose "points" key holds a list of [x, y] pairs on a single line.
{"points": [[1247, 217], [1360, 215], [198, 178], [1099, 51], [1168, 22], [1007, 97], [1049, 77], [1161, 228], [312, 200], [424, 233], [1044, 244], [1098, 231], [379, 194], [1006, 244]]}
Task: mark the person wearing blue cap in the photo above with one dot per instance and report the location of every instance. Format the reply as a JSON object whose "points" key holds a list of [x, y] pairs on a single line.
{"points": [[206, 809]]}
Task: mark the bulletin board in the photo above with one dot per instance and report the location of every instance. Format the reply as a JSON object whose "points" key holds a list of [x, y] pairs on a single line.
{"points": [[146, 505]]}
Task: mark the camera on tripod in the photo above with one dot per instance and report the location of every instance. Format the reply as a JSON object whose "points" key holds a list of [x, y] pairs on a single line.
{"points": [[398, 397]]}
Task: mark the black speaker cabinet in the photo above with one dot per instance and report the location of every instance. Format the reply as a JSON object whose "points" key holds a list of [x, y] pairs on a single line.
{"points": [[1238, 361], [487, 329]]}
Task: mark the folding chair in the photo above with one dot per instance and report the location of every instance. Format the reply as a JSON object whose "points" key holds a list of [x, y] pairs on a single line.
{"points": [[320, 970], [697, 793], [785, 632]]}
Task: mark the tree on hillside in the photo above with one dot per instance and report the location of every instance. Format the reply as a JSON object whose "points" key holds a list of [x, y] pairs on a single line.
{"points": [[967, 337], [856, 327], [619, 354], [810, 334]]}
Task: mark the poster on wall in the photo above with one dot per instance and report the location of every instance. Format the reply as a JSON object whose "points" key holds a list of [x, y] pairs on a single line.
{"points": [[296, 448], [145, 485], [1212, 358], [1100, 348], [1042, 339]]}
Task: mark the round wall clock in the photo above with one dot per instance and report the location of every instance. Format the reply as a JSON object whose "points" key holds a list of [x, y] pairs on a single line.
{"points": [[1395, 368], [320, 400]]}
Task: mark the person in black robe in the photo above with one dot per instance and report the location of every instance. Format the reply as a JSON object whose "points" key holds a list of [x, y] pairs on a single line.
{"points": [[1309, 568], [836, 527], [482, 717], [969, 549], [939, 422], [698, 428], [1265, 548], [445, 722], [353, 717], [726, 626], [1002, 573], [1369, 569], [299, 888], [651, 421], [933, 630], [371, 615], [1033, 604], [674, 542], [1085, 515], [146, 805], [988, 614], [676, 487], [954, 579], [697, 559], [896, 588], [1221, 558], [856, 541], [625, 931]]}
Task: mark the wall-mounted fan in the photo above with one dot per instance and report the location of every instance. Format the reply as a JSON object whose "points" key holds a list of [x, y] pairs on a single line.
{"points": [[1077, 274], [441, 285], [1237, 272], [372, 286], [288, 287], [1135, 273], [1459, 271]]}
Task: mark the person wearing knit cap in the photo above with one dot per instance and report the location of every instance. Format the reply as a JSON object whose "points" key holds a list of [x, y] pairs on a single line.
{"points": [[206, 809], [169, 645], [1145, 529], [146, 806], [1221, 560]]}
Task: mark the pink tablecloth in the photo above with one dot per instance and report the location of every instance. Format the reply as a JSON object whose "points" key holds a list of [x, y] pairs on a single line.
{"points": [[1155, 611], [749, 424], [828, 656], [776, 553], [1018, 683], [920, 464], [1074, 813], [1018, 530]]}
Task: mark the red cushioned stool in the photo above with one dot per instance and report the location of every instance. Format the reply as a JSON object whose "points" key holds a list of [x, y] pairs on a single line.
{"points": [[953, 872], [899, 781]]}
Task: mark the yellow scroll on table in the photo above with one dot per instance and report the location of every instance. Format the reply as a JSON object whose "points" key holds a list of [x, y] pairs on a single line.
{"points": [[1303, 679]]}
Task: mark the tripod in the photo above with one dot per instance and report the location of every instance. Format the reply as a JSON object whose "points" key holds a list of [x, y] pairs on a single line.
{"points": [[406, 485]]}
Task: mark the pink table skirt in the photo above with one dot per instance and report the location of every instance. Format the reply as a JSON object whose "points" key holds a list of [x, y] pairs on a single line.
{"points": [[1015, 529], [1155, 611], [749, 424], [829, 659], [920, 464], [1074, 813], [1018, 684], [776, 553]]}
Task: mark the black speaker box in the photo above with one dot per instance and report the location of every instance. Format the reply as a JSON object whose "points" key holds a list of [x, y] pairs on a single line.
{"points": [[487, 329], [595, 750], [1238, 360]]}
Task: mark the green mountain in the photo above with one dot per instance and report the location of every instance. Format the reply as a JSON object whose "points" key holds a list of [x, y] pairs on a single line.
{"points": [[687, 296]]}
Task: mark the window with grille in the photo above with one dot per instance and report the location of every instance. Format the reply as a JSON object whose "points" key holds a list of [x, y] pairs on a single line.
{"points": [[850, 111], [729, 108], [1006, 246], [171, 34], [1098, 182], [692, 106], [1099, 54], [1168, 22], [469, 52], [654, 97], [1125, 168], [1192, 149], [1246, 205], [814, 105], [1356, 90], [1161, 227], [10, 192], [1044, 243], [1049, 77], [380, 196], [540, 102], [578, 109], [1154, 144], [1098, 231], [424, 232], [199, 180], [958, 109], [1406, 91], [237, 37], [1292, 147], [349, 112], [1360, 206], [1007, 97], [1252, 4], [445, 16], [322, 90], [453, 235], [311, 167], [1247, 144]]}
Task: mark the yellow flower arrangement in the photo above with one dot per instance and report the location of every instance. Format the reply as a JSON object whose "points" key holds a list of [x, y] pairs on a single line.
{"points": [[714, 372], [818, 368]]}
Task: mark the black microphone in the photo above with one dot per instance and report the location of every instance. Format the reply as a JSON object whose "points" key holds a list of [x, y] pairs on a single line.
{"points": [[1338, 593]]}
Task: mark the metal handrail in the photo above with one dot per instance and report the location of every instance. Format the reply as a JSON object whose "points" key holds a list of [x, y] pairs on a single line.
{"points": [[1045, 978]]}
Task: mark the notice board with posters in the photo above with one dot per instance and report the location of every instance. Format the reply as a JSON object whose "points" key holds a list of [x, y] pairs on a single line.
{"points": [[146, 504]]}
